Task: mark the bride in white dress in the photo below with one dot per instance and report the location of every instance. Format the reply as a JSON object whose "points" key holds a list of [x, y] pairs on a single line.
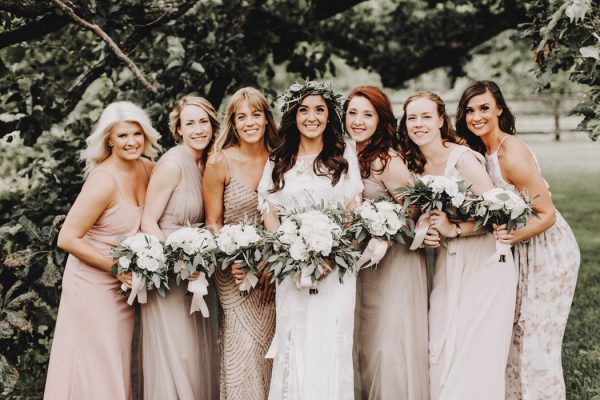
{"points": [[312, 347]]}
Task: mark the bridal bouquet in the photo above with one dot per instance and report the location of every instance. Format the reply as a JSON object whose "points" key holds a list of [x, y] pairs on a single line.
{"points": [[190, 250], [307, 243], [502, 207], [378, 223], [431, 192], [143, 255], [241, 242]]}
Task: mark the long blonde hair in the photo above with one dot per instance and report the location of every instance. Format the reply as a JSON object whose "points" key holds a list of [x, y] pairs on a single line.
{"points": [[98, 150], [175, 119], [256, 101]]}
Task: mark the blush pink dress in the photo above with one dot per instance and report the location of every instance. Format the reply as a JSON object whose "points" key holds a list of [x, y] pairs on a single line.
{"points": [[91, 349]]}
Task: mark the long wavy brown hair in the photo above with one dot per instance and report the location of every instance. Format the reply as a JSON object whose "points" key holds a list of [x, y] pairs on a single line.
{"points": [[506, 120], [414, 157], [385, 136], [329, 162]]}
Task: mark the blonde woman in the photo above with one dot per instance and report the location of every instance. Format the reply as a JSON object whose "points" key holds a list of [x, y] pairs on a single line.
{"points": [[91, 350], [229, 187], [179, 350]]}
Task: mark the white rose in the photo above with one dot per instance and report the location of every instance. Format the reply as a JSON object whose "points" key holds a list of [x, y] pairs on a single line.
{"points": [[320, 243], [458, 199], [124, 262], [136, 242], [298, 250], [226, 244], [148, 263]]}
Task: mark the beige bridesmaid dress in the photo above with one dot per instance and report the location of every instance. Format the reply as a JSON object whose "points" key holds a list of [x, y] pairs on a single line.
{"points": [[180, 358], [471, 311], [392, 322], [91, 350]]}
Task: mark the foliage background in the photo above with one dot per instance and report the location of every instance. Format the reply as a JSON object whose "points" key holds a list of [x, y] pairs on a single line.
{"points": [[56, 76]]}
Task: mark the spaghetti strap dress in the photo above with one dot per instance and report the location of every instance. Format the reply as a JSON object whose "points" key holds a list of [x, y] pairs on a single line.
{"points": [[91, 350], [392, 321], [548, 264], [472, 305], [247, 326], [180, 351]]}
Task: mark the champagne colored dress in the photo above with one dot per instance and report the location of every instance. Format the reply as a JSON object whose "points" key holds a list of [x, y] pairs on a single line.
{"points": [[180, 358], [548, 264], [472, 306], [392, 321], [312, 346], [91, 349], [247, 325]]}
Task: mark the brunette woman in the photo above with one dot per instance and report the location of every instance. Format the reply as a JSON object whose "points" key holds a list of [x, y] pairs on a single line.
{"points": [[473, 297], [392, 299], [545, 249], [312, 347]]}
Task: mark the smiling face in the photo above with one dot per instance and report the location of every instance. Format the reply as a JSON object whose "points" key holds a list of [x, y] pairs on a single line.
{"points": [[423, 122], [195, 127], [361, 119], [482, 114], [311, 117], [127, 140], [249, 124]]}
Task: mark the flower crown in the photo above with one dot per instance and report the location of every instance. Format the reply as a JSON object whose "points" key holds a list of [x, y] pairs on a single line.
{"points": [[299, 90]]}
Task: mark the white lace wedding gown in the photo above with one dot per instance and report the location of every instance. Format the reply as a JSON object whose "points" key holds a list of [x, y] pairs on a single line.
{"points": [[312, 347]]}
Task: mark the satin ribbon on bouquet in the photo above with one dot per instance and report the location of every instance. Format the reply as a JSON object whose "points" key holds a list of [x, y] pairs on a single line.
{"points": [[250, 280], [138, 289], [304, 280], [502, 250], [420, 231], [373, 253], [199, 289]]}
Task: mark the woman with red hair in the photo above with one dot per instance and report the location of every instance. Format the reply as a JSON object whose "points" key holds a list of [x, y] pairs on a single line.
{"points": [[392, 299]]}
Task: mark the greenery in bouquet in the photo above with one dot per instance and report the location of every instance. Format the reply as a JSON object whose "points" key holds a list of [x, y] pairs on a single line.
{"points": [[308, 242], [189, 250], [502, 207], [383, 219], [143, 255], [443, 193]]}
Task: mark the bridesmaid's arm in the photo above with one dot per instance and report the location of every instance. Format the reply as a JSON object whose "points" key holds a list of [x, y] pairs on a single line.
{"points": [[213, 187], [519, 168], [163, 182], [99, 192], [474, 174]]}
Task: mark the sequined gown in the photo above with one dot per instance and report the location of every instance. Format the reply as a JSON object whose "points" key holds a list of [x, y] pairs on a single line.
{"points": [[247, 326]]}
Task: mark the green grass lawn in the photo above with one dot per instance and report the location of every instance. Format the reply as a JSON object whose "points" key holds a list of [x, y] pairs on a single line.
{"points": [[572, 168]]}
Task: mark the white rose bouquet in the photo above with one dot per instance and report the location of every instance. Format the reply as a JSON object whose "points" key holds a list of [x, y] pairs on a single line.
{"points": [[502, 207], [143, 255], [189, 250], [307, 241], [431, 192], [378, 223], [241, 242]]}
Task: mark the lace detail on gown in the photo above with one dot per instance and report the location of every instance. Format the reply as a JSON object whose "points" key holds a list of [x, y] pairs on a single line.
{"points": [[312, 347]]}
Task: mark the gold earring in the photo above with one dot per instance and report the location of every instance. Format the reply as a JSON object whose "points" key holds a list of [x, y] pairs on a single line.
{"points": [[110, 145]]}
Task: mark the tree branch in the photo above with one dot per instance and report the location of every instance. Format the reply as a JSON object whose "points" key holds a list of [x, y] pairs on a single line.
{"points": [[33, 30], [115, 48]]}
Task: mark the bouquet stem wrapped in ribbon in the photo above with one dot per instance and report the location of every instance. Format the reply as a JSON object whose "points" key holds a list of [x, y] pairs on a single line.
{"points": [[431, 192], [502, 207], [378, 223], [241, 243], [189, 251], [308, 242], [143, 255]]}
